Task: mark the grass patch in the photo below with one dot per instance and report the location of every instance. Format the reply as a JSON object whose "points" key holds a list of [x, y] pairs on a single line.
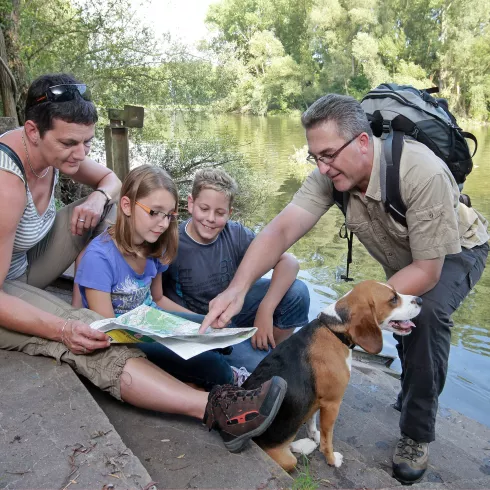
{"points": [[305, 480]]}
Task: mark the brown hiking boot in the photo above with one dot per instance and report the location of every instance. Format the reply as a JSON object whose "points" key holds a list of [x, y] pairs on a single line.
{"points": [[240, 414], [410, 460]]}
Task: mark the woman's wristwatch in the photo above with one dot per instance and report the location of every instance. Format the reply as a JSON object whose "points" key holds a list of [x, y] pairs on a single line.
{"points": [[107, 195]]}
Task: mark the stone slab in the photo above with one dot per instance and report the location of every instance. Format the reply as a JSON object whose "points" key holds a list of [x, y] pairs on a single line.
{"points": [[367, 430], [181, 453], [52, 433]]}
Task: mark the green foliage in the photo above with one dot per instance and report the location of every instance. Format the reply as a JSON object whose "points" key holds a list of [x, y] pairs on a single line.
{"points": [[183, 156], [100, 42], [266, 56], [305, 480], [349, 47]]}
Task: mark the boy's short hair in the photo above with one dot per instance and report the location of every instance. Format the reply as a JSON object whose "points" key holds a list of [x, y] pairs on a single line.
{"points": [[216, 179]]}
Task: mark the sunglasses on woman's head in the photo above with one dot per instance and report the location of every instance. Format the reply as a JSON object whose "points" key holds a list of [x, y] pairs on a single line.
{"points": [[63, 93]]}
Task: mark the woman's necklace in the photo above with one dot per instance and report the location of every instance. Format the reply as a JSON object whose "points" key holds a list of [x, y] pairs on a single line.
{"points": [[29, 161]]}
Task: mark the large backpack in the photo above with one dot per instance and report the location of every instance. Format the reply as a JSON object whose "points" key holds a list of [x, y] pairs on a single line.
{"points": [[398, 111]]}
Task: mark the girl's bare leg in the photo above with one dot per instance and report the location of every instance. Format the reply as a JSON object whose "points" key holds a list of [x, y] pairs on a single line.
{"points": [[146, 386]]}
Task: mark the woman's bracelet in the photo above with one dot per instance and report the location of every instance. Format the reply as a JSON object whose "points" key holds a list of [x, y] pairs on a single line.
{"points": [[63, 332]]}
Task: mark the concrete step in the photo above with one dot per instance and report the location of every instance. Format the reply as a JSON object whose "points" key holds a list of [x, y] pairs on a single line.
{"points": [[54, 435], [367, 430], [180, 452]]}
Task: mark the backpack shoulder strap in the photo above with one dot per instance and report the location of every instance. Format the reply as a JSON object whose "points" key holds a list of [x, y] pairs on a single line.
{"points": [[471, 137], [341, 199], [390, 176], [15, 158]]}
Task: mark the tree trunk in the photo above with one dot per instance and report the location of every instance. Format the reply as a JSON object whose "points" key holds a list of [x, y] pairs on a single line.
{"points": [[7, 89]]}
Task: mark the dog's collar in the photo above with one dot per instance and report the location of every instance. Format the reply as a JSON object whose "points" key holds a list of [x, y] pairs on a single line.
{"points": [[344, 339]]}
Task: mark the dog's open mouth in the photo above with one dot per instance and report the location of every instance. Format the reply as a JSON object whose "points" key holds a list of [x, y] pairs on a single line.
{"points": [[404, 326]]}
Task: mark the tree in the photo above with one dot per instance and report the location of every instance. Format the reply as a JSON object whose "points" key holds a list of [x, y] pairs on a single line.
{"points": [[348, 46], [102, 43], [8, 85]]}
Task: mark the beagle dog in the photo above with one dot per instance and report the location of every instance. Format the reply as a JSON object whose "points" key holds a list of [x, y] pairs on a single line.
{"points": [[316, 363]]}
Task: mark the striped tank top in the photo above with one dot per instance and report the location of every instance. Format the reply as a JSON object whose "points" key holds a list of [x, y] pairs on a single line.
{"points": [[33, 227]]}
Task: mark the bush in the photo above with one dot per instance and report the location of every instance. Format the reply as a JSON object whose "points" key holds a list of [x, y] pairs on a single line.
{"points": [[182, 158]]}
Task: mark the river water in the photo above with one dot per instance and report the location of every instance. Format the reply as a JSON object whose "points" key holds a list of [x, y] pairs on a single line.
{"points": [[267, 144]]}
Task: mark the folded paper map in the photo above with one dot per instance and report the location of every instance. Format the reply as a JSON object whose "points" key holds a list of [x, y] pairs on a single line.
{"points": [[147, 324]]}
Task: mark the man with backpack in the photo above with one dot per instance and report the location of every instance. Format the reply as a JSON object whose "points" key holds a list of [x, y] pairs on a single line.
{"points": [[439, 255]]}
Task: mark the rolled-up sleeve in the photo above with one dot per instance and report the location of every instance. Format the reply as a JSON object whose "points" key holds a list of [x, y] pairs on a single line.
{"points": [[316, 194]]}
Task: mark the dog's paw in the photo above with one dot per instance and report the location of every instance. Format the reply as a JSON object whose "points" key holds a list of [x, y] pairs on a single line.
{"points": [[338, 460], [303, 446], [314, 435]]}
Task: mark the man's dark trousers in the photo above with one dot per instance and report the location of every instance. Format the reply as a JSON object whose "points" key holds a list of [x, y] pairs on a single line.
{"points": [[424, 353]]}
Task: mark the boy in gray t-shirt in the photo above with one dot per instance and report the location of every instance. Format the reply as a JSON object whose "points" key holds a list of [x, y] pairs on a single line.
{"points": [[210, 250]]}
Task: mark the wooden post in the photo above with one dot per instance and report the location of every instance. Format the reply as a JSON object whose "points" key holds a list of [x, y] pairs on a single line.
{"points": [[120, 151], [109, 159], [117, 137]]}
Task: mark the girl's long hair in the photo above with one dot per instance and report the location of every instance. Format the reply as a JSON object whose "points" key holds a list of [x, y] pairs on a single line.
{"points": [[138, 184]]}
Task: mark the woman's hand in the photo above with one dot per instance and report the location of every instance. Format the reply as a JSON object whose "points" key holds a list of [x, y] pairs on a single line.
{"points": [[88, 214], [81, 339]]}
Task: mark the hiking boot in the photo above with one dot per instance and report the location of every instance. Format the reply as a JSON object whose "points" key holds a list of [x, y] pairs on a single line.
{"points": [[240, 414], [410, 460]]}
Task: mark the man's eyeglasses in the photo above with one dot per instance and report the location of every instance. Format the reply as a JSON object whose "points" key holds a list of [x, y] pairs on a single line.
{"points": [[328, 159], [63, 93], [158, 214]]}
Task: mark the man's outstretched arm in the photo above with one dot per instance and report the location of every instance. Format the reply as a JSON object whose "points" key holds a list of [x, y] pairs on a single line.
{"points": [[262, 255]]}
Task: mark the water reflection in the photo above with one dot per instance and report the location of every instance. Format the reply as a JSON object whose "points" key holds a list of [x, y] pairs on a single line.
{"points": [[267, 144]]}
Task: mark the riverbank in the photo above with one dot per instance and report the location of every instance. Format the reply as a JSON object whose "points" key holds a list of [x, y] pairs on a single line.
{"points": [[60, 432]]}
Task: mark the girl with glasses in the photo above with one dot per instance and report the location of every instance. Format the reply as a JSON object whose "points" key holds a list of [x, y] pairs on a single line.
{"points": [[122, 269]]}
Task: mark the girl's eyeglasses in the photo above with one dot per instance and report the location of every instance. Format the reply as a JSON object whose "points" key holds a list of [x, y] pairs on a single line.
{"points": [[63, 93], [160, 214]]}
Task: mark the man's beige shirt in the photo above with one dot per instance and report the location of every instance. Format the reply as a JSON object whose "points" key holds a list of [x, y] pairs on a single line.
{"points": [[438, 224]]}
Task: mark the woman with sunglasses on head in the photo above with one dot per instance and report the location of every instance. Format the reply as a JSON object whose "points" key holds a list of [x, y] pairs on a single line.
{"points": [[37, 244]]}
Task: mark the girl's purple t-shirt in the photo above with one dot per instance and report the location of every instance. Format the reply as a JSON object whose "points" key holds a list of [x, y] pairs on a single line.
{"points": [[103, 268]]}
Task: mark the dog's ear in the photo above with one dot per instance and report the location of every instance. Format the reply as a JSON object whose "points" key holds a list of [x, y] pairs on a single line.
{"points": [[366, 332]]}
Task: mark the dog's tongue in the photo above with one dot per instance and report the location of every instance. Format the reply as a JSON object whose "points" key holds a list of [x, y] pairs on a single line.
{"points": [[404, 324]]}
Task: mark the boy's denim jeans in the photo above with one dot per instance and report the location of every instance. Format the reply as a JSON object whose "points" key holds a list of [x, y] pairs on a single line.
{"points": [[291, 312], [212, 367]]}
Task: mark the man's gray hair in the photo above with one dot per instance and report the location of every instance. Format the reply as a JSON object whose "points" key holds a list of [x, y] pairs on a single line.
{"points": [[345, 111]]}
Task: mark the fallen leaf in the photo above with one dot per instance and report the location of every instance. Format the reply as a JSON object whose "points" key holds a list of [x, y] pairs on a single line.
{"points": [[181, 456]]}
